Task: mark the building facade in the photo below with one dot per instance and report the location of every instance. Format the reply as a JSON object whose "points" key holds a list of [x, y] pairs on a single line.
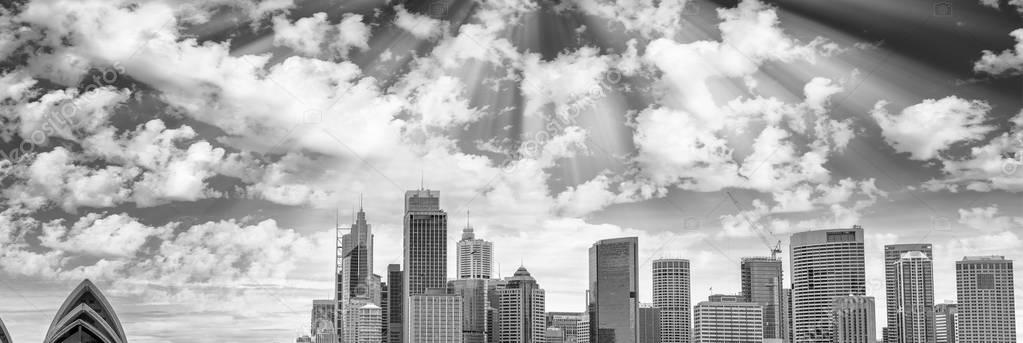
{"points": [[649, 324], [613, 305], [436, 317], [945, 318], [567, 322], [424, 252], [786, 302], [854, 319], [985, 300], [914, 285], [475, 319], [521, 317], [825, 264], [892, 254], [322, 321], [395, 304], [727, 319], [475, 256], [671, 294], [762, 284]]}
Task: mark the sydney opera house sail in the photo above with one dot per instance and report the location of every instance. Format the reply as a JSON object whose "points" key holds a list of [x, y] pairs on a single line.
{"points": [[4, 336], [85, 317]]}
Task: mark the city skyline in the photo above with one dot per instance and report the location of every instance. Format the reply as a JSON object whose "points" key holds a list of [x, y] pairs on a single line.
{"points": [[191, 157]]}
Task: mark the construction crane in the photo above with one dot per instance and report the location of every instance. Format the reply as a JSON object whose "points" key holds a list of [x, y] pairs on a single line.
{"points": [[775, 249]]}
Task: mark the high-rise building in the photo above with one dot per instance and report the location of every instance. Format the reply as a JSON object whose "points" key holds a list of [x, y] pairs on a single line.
{"points": [[854, 319], [436, 317], [363, 322], [914, 285], [613, 295], [424, 252], [322, 318], [985, 300], [521, 317], [671, 295], [474, 308], [762, 284], [727, 319], [945, 318], [583, 329], [395, 304], [649, 324], [825, 264], [475, 256], [892, 254], [494, 286], [786, 302], [568, 322]]}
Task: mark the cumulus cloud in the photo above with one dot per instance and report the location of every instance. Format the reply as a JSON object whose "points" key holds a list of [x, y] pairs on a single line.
{"points": [[986, 219], [316, 36], [117, 236], [420, 26], [1008, 61], [932, 126]]}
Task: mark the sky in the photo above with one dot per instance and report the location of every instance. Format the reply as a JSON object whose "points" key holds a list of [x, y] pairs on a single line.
{"points": [[192, 157]]}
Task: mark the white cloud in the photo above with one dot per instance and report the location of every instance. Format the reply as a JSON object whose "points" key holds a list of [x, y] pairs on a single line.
{"points": [[932, 126], [114, 236], [315, 36], [1010, 60], [986, 219], [420, 26]]}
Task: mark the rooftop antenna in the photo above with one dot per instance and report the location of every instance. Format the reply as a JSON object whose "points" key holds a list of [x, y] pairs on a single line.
{"points": [[467, 218], [360, 202], [421, 178]]}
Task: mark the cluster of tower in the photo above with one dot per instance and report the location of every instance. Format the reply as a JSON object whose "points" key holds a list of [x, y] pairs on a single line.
{"points": [[826, 301]]}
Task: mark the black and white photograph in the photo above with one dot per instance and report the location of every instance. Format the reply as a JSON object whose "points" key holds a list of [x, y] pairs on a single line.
{"points": [[511, 171]]}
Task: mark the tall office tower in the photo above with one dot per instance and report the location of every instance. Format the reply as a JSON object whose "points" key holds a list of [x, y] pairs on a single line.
{"points": [[436, 317], [825, 264], [914, 285], [424, 249], [395, 304], [355, 274], [568, 322], [555, 335], [613, 295], [986, 306], [671, 295], [493, 308], [474, 308], [854, 319], [521, 317], [649, 324], [726, 319], [892, 254], [385, 310], [786, 302], [945, 318], [475, 256], [762, 284], [363, 322]]}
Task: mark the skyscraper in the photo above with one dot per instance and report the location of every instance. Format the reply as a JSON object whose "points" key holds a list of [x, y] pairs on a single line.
{"points": [[825, 264], [762, 284], [786, 302], [613, 295], [727, 319], [436, 317], [945, 318], [395, 304], [986, 304], [671, 295], [425, 251], [914, 285], [892, 254], [474, 308], [649, 324], [854, 319], [363, 322], [521, 317], [475, 256], [355, 271]]}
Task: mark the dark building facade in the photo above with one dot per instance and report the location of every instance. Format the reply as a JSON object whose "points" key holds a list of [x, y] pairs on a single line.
{"points": [[613, 305], [649, 324]]}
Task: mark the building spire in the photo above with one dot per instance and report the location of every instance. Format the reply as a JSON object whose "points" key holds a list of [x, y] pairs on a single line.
{"points": [[422, 178], [360, 202]]}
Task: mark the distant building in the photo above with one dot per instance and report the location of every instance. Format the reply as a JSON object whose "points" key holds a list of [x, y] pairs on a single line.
{"points": [[945, 318], [555, 335], [302, 339], [474, 308], [786, 302], [671, 295], [583, 330], [613, 295], [854, 319], [355, 262], [475, 256], [914, 284], [521, 317], [568, 323], [892, 254], [985, 300], [825, 264], [395, 304], [726, 319], [321, 324], [367, 324], [436, 317], [762, 284], [649, 324], [425, 256]]}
